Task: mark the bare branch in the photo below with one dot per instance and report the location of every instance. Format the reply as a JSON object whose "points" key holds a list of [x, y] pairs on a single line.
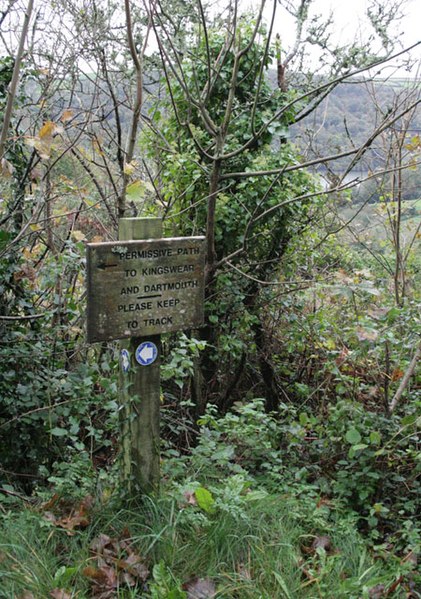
{"points": [[15, 78], [406, 378]]}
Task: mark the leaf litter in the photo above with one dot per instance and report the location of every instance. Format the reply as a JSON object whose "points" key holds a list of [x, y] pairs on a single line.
{"points": [[116, 564]]}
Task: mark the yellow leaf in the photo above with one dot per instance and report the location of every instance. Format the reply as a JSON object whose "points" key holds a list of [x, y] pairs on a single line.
{"points": [[67, 115], [330, 344], [78, 235], [130, 167], [97, 148], [136, 190], [47, 129]]}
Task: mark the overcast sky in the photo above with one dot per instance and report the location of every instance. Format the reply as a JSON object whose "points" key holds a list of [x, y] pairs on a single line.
{"points": [[349, 16], [348, 13], [350, 23]]}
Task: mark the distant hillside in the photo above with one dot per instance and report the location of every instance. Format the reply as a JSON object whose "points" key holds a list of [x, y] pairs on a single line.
{"points": [[350, 113]]}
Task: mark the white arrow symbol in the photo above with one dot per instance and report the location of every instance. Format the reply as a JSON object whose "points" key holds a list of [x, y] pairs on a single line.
{"points": [[146, 353]]}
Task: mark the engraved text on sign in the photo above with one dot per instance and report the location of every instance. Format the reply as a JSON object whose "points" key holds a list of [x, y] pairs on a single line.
{"points": [[138, 288]]}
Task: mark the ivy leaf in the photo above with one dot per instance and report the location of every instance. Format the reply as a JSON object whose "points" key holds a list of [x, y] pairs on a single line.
{"points": [[59, 432], [408, 420], [5, 236], [375, 438], [359, 446], [353, 436]]}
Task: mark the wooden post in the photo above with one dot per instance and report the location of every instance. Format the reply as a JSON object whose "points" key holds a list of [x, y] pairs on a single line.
{"points": [[140, 390], [140, 287]]}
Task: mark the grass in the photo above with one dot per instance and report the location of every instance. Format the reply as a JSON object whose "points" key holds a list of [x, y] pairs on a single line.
{"points": [[266, 551]]}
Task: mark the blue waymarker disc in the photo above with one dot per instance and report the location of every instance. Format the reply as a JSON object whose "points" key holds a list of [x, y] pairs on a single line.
{"points": [[146, 353]]}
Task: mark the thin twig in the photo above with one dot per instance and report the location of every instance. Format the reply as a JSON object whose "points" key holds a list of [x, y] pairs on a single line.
{"points": [[406, 378]]}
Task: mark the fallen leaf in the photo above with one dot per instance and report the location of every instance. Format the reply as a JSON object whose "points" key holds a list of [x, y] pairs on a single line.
{"points": [[134, 565], [51, 502], [100, 542], [322, 542], [244, 572], [60, 594], [78, 517], [189, 496], [117, 564], [50, 517], [104, 576], [200, 588], [377, 592]]}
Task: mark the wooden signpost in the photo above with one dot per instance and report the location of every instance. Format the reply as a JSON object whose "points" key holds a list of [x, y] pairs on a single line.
{"points": [[139, 287]]}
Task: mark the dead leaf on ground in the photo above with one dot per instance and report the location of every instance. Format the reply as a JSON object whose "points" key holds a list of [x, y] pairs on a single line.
{"points": [[60, 594], [78, 516], [322, 542], [51, 502], [117, 564], [377, 592], [397, 374], [323, 501], [244, 572], [200, 588], [190, 497]]}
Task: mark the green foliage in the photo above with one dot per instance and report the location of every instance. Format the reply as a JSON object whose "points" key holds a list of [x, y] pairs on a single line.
{"points": [[254, 220], [181, 363], [164, 585], [366, 461], [278, 546], [49, 395]]}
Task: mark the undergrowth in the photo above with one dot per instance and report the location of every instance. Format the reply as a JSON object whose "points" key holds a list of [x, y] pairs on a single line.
{"points": [[275, 546], [261, 507]]}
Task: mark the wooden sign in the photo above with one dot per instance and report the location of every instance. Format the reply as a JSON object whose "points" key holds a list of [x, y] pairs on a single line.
{"points": [[141, 288]]}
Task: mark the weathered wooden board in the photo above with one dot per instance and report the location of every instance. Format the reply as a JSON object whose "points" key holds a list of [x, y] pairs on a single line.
{"points": [[148, 287]]}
